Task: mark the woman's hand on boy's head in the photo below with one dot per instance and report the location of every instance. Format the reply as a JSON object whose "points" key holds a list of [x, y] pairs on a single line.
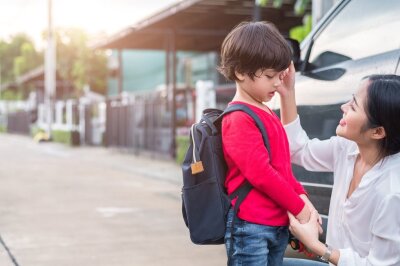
{"points": [[287, 80]]}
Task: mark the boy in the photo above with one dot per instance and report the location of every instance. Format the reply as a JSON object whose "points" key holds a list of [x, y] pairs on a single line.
{"points": [[256, 57]]}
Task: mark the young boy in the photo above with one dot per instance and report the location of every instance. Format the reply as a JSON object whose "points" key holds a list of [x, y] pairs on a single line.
{"points": [[256, 57]]}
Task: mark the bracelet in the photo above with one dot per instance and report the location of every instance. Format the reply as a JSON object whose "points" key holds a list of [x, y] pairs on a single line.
{"points": [[327, 254]]}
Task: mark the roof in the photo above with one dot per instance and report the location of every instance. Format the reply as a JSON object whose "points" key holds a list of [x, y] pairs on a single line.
{"points": [[198, 25], [34, 75]]}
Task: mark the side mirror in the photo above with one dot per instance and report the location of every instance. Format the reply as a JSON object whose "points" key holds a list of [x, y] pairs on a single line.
{"points": [[295, 48]]}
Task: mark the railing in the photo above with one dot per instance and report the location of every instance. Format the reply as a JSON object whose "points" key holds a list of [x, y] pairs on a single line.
{"points": [[140, 124]]}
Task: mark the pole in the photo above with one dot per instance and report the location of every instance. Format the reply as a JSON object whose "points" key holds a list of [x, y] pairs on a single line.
{"points": [[256, 11], [1, 88], [50, 70], [120, 73], [173, 107]]}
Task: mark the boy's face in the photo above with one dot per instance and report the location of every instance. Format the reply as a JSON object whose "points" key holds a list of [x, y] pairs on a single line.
{"points": [[264, 84]]}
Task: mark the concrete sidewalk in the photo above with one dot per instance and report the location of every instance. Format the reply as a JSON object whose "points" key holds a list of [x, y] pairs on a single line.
{"points": [[91, 206]]}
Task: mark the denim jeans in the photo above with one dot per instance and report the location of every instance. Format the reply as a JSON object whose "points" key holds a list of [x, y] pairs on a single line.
{"points": [[300, 262], [255, 244]]}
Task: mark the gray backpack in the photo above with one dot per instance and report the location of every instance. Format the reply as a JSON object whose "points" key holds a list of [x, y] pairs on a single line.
{"points": [[205, 203]]}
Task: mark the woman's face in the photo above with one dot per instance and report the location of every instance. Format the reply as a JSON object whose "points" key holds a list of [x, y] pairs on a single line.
{"points": [[353, 124]]}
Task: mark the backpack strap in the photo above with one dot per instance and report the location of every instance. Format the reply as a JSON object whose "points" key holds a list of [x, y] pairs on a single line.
{"points": [[247, 110], [243, 190]]}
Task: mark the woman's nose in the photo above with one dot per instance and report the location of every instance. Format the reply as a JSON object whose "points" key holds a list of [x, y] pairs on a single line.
{"points": [[343, 107]]}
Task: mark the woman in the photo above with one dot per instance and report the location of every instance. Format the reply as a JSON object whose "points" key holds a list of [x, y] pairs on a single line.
{"points": [[364, 214]]}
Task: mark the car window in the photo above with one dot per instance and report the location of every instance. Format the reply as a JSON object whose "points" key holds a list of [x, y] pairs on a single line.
{"points": [[361, 29]]}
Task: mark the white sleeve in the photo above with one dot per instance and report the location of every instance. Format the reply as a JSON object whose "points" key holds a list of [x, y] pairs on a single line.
{"points": [[385, 245], [313, 155]]}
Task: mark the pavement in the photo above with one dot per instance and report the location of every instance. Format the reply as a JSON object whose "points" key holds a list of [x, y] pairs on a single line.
{"points": [[90, 206]]}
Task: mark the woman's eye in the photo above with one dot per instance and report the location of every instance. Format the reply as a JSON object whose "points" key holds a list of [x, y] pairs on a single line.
{"points": [[268, 76]]}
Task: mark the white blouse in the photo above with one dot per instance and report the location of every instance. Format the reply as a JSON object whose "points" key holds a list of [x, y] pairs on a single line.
{"points": [[366, 226]]}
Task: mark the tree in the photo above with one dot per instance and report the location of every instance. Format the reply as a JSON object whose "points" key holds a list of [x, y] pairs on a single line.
{"points": [[299, 6], [27, 60], [78, 63], [299, 32], [14, 48]]}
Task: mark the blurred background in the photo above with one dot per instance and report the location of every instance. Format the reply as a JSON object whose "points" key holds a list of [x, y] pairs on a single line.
{"points": [[96, 101], [130, 74]]}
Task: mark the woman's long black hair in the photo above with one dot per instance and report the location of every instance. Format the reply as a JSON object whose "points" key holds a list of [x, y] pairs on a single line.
{"points": [[383, 110]]}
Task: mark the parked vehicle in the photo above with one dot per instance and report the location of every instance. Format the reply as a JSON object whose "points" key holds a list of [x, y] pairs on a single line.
{"points": [[355, 39]]}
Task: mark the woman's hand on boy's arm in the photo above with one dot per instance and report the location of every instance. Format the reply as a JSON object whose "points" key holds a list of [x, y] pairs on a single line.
{"points": [[304, 215], [312, 208], [307, 233]]}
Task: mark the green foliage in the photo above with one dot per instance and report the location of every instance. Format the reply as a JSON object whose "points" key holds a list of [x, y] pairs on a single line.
{"points": [[3, 129], [35, 130], [76, 62], [300, 32], [277, 3], [10, 95], [27, 60], [262, 3], [182, 144], [79, 63], [70, 138], [19, 46], [300, 6], [61, 136]]}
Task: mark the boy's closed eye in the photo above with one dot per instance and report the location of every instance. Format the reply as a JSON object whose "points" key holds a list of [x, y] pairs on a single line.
{"points": [[270, 74]]}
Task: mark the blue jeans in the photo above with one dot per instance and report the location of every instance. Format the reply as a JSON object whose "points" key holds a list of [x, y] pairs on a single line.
{"points": [[300, 262], [255, 244]]}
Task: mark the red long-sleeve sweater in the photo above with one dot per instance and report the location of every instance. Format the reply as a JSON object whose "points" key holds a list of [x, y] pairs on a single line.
{"points": [[275, 189]]}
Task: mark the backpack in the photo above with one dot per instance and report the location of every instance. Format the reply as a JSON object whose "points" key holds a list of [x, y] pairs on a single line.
{"points": [[205, 203]]}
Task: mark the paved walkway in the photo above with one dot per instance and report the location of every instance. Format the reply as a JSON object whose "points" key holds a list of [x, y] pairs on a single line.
{"points": [[91, 206]]}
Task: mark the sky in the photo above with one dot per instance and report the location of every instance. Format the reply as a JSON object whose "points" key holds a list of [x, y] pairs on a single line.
{"points": [[94, 16]]}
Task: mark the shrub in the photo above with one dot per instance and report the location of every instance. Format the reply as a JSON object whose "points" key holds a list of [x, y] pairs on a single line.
{"points": [[67, 137], [182, 144]]}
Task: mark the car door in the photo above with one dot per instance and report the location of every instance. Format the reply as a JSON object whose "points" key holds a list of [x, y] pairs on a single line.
{"points": [[398, 65]]}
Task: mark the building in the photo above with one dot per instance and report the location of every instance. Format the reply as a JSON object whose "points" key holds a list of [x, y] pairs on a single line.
{"points": [[171, 50]]}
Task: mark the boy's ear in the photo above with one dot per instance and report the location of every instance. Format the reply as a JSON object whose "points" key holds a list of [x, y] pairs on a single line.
{"points": [[239, 76], [378, 133]]}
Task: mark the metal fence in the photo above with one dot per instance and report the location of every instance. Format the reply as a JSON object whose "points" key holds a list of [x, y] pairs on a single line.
{"points": [[141, 124], [19, 122]]}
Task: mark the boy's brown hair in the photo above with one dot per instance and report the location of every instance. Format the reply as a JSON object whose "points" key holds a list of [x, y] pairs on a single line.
{"points": [[251, 46]]}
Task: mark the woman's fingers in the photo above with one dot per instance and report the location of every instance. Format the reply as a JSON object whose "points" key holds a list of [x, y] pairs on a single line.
{"points": [[319, 219], [292, 219], [314, 217], [320, 230], [291, 67]]}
